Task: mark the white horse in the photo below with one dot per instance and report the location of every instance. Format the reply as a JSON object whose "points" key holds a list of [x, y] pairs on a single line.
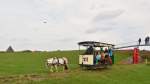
{"points": [[55, 62]]}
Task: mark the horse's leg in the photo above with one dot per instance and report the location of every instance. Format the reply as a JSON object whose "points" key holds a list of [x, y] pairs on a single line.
{"points": [[61, 67], [46, 65], [51, 70], [56, 68], [65, 65]]}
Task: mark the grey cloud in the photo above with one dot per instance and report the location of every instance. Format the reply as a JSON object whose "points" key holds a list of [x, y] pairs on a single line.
{"points": [[108, 15], [102, 26], [90, 31], [69, 39], [103, 21], [95, 30], [19, 39]]}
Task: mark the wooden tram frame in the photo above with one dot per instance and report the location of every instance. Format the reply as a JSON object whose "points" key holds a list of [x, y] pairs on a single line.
{"points": [[94, 44]]}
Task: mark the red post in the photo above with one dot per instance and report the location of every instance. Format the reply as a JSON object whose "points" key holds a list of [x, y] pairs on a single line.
{"points": [[135, 56]]}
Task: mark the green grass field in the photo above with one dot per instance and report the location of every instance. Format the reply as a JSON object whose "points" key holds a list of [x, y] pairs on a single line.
{"points": [[29, 68]]}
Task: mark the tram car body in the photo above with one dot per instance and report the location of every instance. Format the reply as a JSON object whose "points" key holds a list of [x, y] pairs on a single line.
{"points": [[88, 58]]}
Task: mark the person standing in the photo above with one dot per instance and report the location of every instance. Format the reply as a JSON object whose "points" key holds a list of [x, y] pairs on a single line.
{"points": [[98, 58], [148, 38], [146, 41], [139, 41]]}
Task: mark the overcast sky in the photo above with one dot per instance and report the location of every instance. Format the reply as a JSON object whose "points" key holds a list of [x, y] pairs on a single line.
{"points": [[60, 24]]}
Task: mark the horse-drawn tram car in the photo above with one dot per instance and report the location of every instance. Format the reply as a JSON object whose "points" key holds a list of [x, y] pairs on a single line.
{"points": [[97, 55]]}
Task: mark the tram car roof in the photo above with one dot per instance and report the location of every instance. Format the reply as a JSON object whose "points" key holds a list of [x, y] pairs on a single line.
{"points": [[95, 44]]}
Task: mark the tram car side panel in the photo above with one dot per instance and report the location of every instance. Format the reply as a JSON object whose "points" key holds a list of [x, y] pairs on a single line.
{"points": [[86, 59]]}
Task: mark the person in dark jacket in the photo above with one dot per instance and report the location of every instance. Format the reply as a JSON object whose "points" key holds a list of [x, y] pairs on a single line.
{"points": [[139, 41], [147, 40], [90, 50]]}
